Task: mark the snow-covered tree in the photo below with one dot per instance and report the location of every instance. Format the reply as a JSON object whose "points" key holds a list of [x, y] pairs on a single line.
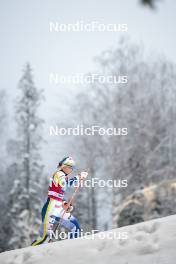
{"points": [[26, 193], [4, 225]]}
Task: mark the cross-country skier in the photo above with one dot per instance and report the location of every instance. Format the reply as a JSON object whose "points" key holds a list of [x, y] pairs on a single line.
{"points": [[54, 207]]}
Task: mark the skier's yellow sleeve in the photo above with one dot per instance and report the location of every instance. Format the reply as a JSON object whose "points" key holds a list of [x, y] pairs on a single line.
{"points": [[58, 179]]}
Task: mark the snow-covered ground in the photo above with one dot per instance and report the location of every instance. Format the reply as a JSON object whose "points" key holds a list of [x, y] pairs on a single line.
{"points": [[152, 242]]}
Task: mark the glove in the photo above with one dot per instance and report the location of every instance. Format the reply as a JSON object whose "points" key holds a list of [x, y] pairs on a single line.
{"points": [[84, 174], [69, 209]]}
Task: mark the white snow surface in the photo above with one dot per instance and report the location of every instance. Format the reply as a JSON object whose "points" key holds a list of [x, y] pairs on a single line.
{"points": [[151, 242]]}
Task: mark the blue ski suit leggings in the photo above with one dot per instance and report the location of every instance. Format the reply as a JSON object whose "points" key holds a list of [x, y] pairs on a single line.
{"points": [[51, 212]]}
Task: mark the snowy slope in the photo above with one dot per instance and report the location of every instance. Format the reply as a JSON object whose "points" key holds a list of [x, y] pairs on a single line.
{"points": [[152, 242]]}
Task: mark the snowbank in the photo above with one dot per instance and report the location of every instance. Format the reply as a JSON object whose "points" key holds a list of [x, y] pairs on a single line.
{"points": [[152, 242]]}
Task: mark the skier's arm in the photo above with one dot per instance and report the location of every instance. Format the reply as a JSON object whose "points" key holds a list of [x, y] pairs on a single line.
{"points": [[72, 180], [58, 180], [77, 178]]}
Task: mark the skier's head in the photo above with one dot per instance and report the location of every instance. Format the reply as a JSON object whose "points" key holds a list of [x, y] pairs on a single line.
{"points": [[67, 165]]}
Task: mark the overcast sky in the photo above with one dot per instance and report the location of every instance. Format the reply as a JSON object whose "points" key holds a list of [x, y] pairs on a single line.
{"points": [[25, 34], [25, 37]]}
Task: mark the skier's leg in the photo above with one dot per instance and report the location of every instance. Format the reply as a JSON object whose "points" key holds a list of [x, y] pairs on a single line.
{"points": [[68, 221], [45, 219], [75, 231], [54, 216]]}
